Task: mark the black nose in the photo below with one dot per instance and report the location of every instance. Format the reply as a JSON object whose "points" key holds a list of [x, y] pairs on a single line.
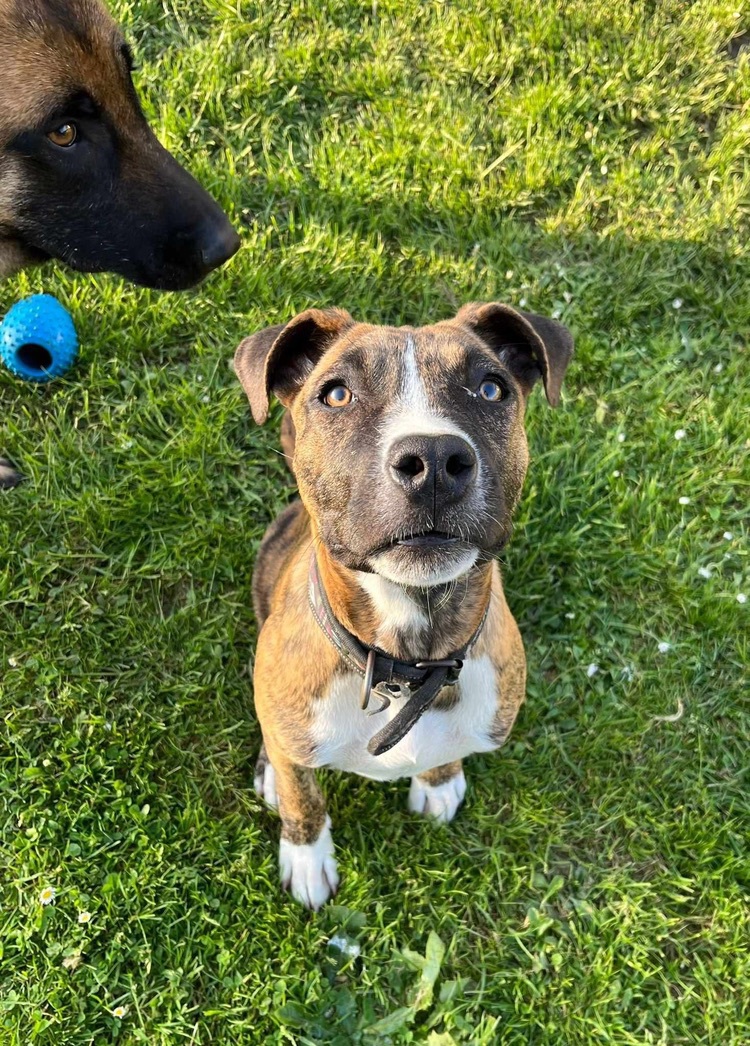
{"points": [[217, 243], [444, 466]]}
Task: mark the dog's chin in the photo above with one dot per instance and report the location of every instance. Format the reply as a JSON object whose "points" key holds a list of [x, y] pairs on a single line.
{"points": [[167, 278], [168, 281], [424, 565], [148, 271]]}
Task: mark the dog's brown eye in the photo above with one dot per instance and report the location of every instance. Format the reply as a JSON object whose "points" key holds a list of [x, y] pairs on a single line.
{"points": [[338, 396], [64, 135], [491, 391]]}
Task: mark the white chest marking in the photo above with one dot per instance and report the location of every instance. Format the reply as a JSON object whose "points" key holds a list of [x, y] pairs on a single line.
{"points": [[393, 605], [341, 730]]}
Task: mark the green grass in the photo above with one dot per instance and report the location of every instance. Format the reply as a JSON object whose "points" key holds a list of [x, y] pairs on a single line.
{"points": [[398, 158]]}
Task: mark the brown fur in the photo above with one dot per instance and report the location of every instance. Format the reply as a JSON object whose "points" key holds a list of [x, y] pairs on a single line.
{"points": [[123, 205], [440, 774], [254, 365], [290, 628], [501, 641], [115, 200], [296, 663], [288, 439], [337, 465], [301, 803], [64, 44]]}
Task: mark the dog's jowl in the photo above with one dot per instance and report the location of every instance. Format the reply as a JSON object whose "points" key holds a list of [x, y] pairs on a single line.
{"points": [[386, 646]]}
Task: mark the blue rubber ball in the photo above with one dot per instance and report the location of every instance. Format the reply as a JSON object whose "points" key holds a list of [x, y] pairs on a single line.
{"points": [[38, 341]]}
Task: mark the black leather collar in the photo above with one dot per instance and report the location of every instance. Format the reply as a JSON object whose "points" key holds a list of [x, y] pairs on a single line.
{"points": [[384, 675]]}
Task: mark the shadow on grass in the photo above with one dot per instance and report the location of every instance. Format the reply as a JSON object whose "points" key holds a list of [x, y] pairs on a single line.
{"points": [[616, 294]]}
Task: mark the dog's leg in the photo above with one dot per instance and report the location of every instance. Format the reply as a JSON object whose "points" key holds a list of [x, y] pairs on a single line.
{"points": [[8, 475], [265, 779], [438, 793], [306, 860]]}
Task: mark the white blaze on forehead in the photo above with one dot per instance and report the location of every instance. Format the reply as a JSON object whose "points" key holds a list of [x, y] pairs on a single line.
{"points": [[412, 414], [412, 393]]}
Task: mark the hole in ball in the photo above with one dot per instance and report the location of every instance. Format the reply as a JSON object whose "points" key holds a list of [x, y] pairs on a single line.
{"points": [[35, 357]]}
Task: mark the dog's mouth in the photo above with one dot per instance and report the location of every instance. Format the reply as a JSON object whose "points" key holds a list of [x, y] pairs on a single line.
{"points": [[424, 558], [427, 539]]}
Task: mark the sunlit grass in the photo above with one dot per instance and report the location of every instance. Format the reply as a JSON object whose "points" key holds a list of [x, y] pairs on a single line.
{"points": [[398, 159]]}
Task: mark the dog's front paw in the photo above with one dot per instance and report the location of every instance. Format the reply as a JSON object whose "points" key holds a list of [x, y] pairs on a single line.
{"points": [[8, 475], [309, 870], [441, 802], [265, 783]]}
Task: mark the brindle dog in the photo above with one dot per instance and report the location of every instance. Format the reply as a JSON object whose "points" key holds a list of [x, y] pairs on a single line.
{"points": [[82, 177], [410, 455]]}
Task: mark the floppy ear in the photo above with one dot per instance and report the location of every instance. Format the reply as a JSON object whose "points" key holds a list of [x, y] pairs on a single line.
{"points": [[531, 345], [278, 359]]}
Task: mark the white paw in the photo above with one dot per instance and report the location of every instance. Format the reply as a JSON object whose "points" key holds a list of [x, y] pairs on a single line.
{"points": [[309, 871], [8, 475], [440, 802], [265, 785]]}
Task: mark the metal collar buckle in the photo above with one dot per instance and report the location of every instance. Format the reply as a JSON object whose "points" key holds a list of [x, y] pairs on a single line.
{"points": [[367, 680], [454, 664], [383, 690]]}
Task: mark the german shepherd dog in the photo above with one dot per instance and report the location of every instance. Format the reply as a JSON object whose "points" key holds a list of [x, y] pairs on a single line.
{"points": [[82, 177]]}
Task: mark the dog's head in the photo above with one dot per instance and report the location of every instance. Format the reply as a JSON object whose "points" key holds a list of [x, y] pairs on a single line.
{"points": [[82, 177], [411, 451]]}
